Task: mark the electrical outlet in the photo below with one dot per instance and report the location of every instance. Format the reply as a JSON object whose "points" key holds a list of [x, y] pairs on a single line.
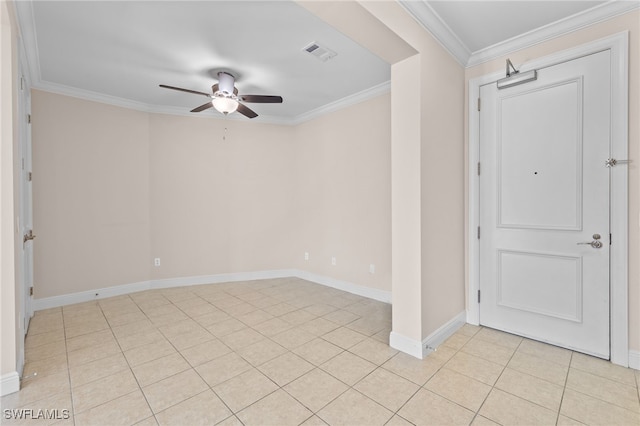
{"points": [[372, 268], [333, 261], [156, 261], [306, 255]]}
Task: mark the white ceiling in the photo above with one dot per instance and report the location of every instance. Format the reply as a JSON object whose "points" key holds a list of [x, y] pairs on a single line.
{"points": [[125, 49], [120, 51]]}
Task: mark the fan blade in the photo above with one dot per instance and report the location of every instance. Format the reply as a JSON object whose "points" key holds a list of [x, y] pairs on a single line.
{"points": [[246, 111], [202, 107], [195, 92], [262, 99]]}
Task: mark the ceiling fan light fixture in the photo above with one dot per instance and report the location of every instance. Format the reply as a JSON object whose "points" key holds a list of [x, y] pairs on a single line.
{"points": [[225, 105]]}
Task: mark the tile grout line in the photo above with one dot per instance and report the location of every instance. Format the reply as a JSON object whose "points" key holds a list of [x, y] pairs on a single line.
{"points": [[420, 387], [233, 413], [477, 413], [498, 379], [66, 354], [127, 361], [442, 364], [188, 363], [314, 413]]}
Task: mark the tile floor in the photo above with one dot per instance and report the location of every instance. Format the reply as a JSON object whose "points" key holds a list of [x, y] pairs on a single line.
{"points": [[286, 351]]}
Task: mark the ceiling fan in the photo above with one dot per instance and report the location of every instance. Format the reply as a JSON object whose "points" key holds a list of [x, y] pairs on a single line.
{"points": [[225, 99]]}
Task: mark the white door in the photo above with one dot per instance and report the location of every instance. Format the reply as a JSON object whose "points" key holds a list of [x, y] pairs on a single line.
{"points": [[26, 204], [544, 193]]}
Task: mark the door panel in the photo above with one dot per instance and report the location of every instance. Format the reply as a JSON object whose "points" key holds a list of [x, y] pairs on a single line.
{"points": [[543, 190], [524, 280], [539, 171]]}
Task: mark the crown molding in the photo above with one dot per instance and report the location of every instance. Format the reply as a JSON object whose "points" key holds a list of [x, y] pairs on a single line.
{"points": [[29, 43], [88, 95], [432, 22], [564, 26], [356, 98]]}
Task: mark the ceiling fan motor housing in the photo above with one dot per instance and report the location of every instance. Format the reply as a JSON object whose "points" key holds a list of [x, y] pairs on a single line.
{"points": [[226, 82]]}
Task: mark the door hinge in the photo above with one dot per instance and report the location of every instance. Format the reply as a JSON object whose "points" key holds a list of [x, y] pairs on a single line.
{"points": [[478, 168], [29, 118], [478, 232], [30, 176], [478, 104], [610, 239], [478, 296], [30, 291]]}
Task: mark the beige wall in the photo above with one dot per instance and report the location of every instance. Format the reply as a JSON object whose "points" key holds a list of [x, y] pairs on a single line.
{"points": [[343, 194], [116, 188], [437, 79], [91, 195], [630, 22], [442, 187], [220, 205], [9, 299]]}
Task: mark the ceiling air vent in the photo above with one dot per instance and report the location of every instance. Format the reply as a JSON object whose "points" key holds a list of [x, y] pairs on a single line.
{"points": [[322, 53]]}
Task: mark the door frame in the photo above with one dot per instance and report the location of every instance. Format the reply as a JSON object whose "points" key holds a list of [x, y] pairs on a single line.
{"points": [[25, 165], [619, 256]]}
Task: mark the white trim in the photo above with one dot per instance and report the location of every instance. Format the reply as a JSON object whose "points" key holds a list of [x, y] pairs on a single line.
{"points": [[432, 22], [368, 292], [569, 24], [430, 343], [88, 95], [634, 360], [27, 30], [619, 201], [102, 293], [435, 339], [353, 99], [618, 45], [222, 278], [86, 296], [9, 383], [406, 345]]}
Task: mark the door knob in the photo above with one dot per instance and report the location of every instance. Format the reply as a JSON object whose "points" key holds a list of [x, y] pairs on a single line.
{"points": [[595, 244]]}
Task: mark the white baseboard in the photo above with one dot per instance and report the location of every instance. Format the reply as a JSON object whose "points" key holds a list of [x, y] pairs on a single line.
{"points": [[371, 293], [634, 360], [431, 342], [222, 278], [101, 293], [404, 344], [9, 383], [86, 296], [435, 339]]}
